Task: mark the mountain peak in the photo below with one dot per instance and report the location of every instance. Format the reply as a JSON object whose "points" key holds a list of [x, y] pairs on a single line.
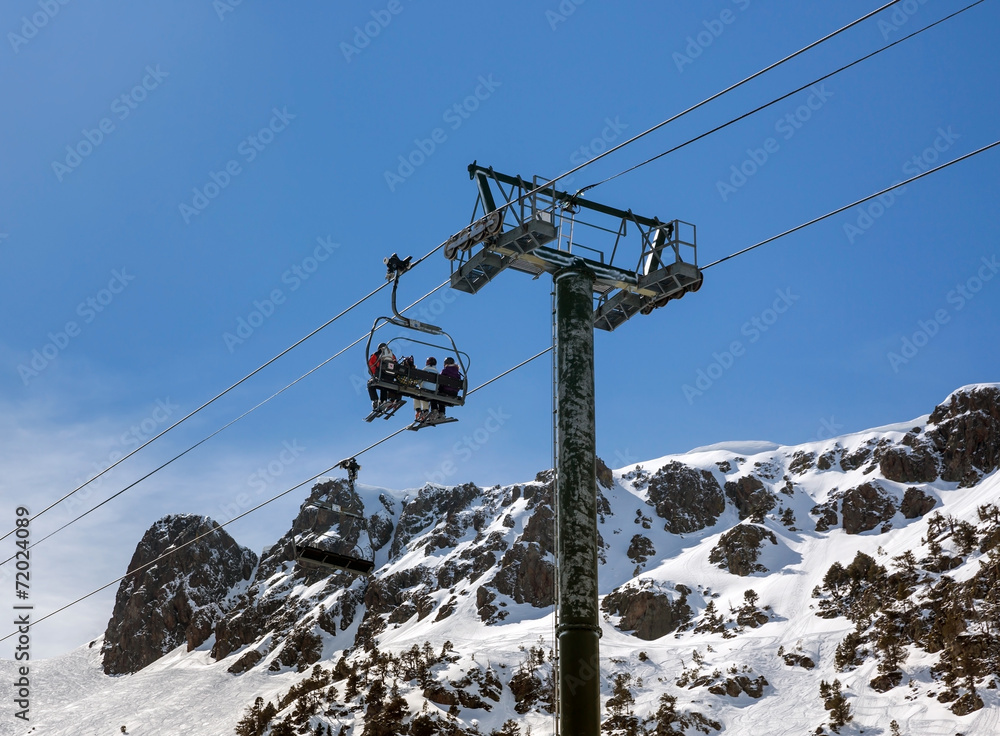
{"points": [[163, 603]]}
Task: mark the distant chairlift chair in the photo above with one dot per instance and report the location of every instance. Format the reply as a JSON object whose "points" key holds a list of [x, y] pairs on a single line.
{"points": [[311, 556]]}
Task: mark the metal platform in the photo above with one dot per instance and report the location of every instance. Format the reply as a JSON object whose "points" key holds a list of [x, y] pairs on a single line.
{"points": [[668, 283], [508, 251], [537, 230], [322, 559]]}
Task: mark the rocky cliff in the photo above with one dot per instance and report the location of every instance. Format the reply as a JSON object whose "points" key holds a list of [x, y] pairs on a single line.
{"points": [[169, 598], [682, 540]]}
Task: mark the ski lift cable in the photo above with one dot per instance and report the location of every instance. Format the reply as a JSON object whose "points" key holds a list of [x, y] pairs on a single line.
{"points": [[549, 184], [694, 107], [223, 393], [259, 506], [213, 434], [805, 86], [511, 370], [853, 204]]}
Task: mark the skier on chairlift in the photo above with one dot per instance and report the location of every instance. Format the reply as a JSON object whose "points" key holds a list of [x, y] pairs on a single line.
{"points": [[352, 468], [425, 409], [381, 355], [451, 371]]}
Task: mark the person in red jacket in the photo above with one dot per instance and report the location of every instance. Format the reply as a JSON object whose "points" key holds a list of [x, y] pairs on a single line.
{"points": [[382, 354]]}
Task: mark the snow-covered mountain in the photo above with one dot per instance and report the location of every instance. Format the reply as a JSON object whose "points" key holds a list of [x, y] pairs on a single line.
{"points": [[850, 583]]}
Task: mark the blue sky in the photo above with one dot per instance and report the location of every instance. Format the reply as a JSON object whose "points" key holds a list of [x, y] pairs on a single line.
{"points": [[172, 169]]}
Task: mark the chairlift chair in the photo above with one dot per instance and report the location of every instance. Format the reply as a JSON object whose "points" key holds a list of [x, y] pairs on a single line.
{"points": [[408, 380], [314, 557]]}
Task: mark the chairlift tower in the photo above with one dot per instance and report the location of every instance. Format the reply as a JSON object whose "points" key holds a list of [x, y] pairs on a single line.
{"points": [[539, 230]]}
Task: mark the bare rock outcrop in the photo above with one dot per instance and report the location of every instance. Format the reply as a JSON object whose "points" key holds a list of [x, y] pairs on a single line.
{"points": [[687, 499], [740, 685], [527, 575], [866, 507], [445, 510], [739, 548], [177, 599], [271, 606], [916, 503], [648, 612], [914, 461], [966, 434], [827, 515], [751, 497]]}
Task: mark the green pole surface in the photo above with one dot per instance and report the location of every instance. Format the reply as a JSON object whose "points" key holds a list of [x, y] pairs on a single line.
{"points": [[579, 627]]}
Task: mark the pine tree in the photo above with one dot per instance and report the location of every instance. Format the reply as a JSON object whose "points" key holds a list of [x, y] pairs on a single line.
{"points": [[711, 619], [621, 700], [351, 691], [846, 657], [509, 728], [966, 538], [906, 562], [395, 712], [889, 644], [835, 702], [666, 717], [282, 728], [255, 719]]}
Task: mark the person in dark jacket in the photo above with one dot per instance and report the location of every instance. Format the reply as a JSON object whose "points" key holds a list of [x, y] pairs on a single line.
{"points": [[451, 371]]}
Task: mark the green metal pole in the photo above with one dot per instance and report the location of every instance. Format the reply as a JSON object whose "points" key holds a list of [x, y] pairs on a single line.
{"points": [[579, 628]]}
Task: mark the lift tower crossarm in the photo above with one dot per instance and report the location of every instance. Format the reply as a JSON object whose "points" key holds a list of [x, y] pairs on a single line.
{"points": [[539, 230], [556, 195]]}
